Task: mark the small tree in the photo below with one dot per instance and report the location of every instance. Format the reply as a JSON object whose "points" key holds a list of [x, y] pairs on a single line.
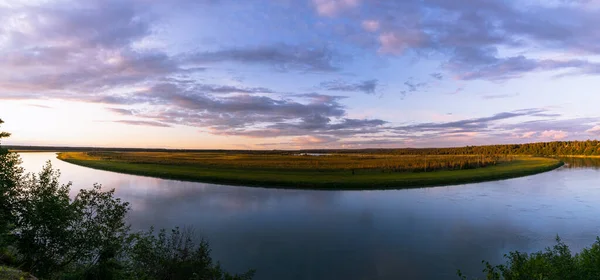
{"points": [[87, 237], [175, 256], [555, 263], [10, 173], [55, 234], [44, 223]]}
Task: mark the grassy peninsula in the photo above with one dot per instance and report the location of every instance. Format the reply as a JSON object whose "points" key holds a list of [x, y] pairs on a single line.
{"points": [[315, 171]]}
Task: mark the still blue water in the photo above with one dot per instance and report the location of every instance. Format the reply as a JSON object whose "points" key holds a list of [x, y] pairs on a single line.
{"points": [[425, 233]]}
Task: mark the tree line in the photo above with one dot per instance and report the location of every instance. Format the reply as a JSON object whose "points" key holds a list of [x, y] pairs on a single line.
{"points": [[583, 148], [556, 148]]}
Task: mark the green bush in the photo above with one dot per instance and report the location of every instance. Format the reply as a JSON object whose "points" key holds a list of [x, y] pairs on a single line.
{"points": [[174, 255], [44, 232], [555, 263]]}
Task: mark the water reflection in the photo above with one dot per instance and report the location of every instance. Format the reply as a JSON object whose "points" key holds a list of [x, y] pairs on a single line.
{"points": [[591, 163], [402, 234]]}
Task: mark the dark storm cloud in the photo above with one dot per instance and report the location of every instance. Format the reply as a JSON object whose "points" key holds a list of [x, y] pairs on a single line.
{"points": [[282, 57], [367, 86]]}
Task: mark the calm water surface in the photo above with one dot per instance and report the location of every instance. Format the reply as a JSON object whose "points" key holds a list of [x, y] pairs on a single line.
{"points": [[395, 234]]}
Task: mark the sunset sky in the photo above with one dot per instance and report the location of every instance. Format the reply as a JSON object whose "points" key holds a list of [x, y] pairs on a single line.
{"points": [[289, 74]]}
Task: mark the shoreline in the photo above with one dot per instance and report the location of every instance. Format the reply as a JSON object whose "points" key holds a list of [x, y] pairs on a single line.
{"points": [[322, 180]]}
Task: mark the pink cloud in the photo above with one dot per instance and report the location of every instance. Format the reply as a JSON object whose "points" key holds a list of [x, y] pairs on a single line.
{"points": [[311, 140], [398, 42], [594, 130], [554, 134], [370, 25], [333, 7], [528, 134]]}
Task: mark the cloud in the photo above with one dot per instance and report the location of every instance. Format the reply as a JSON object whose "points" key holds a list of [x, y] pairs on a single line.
{"points": [[40, 106], [468, 125], [571, 126], [87, 24], [120, 111], [513, 67], [529, 134], [554, 134], [89, 74], [129, 58], [312, 140], [411, 86], [370, 25], [315, 124], [397, 42], [470, 34], [594, 130], [437, 76], [499, 96], [333, 7], [458, 90], [81, 47], [143, 123], [232, 89], [367, 86], [282, 57], [245, 114]]}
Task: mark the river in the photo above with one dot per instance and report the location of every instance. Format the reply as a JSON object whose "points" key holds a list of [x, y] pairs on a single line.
{"points": [[425, 233]]}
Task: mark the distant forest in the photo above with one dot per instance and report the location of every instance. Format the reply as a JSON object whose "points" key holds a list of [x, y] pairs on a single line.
{"points": [[557, 148]]}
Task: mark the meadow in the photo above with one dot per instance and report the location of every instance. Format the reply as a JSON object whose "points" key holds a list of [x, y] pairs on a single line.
{"points": [[315, 171]]}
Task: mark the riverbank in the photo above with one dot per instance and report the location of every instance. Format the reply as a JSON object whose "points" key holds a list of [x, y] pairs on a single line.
{"points": [[190, 169]]}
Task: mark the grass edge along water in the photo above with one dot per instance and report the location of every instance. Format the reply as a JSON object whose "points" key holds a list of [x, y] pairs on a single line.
{"points": [[302, 178]]}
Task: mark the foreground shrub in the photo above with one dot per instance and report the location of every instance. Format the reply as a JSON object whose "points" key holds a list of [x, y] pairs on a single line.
{"points": [[555, 263], [175, 255], [46, 233], [87, 238]]}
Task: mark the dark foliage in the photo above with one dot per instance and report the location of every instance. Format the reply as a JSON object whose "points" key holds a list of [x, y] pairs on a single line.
{"points": [[10, 172], [556, 263], [45, 232], [175, 255]]}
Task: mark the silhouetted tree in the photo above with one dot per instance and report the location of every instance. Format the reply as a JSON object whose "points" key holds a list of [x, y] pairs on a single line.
{"points": [[56, 237], [10, 173], [556, 263]]}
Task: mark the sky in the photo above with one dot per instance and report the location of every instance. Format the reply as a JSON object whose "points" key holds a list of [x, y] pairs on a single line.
{"points": [[297, 74]]}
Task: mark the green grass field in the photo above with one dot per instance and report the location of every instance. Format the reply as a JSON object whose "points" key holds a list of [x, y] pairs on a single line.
{"points": [[353, 171]]}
